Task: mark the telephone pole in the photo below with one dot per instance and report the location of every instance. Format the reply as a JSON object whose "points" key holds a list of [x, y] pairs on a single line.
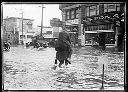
{"points": [[42, 20], [21, 22], [22, 26]]}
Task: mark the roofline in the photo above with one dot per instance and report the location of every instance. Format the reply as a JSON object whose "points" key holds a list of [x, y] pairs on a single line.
{"points": [[17, 18]]}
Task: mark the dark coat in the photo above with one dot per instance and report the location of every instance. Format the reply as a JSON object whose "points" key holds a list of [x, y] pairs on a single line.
{"points": [[64, 45]]}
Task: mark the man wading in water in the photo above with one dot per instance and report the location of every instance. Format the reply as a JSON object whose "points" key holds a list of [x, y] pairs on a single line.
{"points": [[63, 48]]}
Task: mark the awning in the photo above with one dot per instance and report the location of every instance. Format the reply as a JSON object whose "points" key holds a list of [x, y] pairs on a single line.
{"points": [[70, 24], [107, 31], [99, 31], [91, 32], [50, 37]]}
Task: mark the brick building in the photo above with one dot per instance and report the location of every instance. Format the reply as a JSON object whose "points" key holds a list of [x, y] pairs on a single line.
{"points": [[13, 30], [89, 23]]}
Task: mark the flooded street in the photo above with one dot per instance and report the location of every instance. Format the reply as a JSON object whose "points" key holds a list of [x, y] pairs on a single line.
{"points": [[33, 69]]}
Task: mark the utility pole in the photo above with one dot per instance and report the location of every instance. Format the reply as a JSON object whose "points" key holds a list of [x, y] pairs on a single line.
{"points": [[22, 24], [41, 20], [22, 27]]}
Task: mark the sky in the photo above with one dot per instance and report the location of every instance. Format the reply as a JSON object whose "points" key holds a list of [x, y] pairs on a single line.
{"points": [[33, 11]]}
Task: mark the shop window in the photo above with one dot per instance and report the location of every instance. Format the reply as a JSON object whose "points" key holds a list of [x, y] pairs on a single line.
{"points": [[95, 27], [90, 28], [109, 26], [101, 27], [105, 27]]}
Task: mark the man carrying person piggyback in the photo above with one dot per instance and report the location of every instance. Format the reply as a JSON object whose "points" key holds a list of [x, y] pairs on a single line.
{"points": [[63, 48]]}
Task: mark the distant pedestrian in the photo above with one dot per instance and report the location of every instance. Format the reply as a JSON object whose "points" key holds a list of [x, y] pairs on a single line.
{"points": [[63, 48]]}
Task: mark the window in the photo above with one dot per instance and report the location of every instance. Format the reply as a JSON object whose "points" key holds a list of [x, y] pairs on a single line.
{"points": [[8, 37], [72, 14], [22, 36], [105, 27], [67, 14], [77, 13], [93, 10], [29, 36], [95, 27], [90, 28], [101, 27], [49, 32], [118, 7], [87, 11], [110, 7], [29, 26], [97, 10], [105, 8]]}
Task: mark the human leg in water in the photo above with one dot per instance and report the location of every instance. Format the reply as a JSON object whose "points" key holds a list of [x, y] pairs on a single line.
{"points": [[55, 61], [67, 62], [61, 62]]}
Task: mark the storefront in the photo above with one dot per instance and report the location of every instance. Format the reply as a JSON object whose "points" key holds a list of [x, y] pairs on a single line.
{"points": [[91, 38], [95, 26], [72, 29], [73, 33]]}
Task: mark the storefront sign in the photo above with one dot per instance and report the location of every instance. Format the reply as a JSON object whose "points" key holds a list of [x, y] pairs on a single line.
{"points": [[56, 22], [70, 22]]}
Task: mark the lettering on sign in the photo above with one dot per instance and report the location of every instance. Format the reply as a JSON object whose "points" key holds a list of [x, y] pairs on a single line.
{"points": [[75, 21]]}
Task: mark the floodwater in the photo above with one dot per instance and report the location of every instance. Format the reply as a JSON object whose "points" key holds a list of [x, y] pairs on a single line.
{"points": [[28, 68]]}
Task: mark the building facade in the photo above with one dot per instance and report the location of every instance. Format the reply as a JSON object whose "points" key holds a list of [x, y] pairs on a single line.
{"points": [[47, 32], [17, 30], [71, 16], [88, 23], [57, 26]]}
